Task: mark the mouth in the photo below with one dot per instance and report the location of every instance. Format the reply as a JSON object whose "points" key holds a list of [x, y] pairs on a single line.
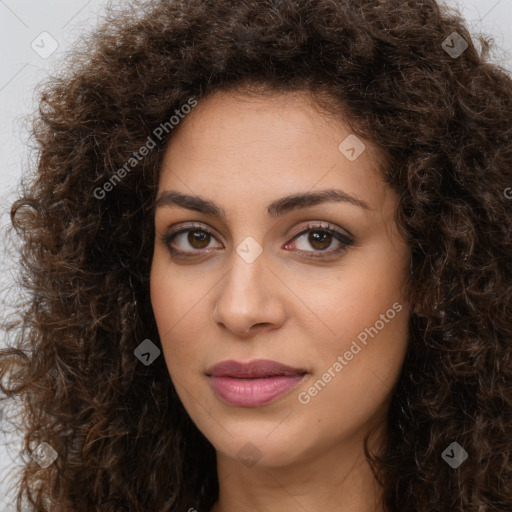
{"points": [[253, 383]]}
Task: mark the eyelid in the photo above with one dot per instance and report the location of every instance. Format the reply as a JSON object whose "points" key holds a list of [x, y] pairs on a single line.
{"points": [[320, 225], [346, 239], [186, 226]]}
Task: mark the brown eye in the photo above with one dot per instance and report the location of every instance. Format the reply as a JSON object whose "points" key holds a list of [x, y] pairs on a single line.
{"points": [[320, 238], [189, 239], [195, 241], [199, 237]]}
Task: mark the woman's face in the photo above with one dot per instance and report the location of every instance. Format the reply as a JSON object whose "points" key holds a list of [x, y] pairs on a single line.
{"points": [[256, 276]]}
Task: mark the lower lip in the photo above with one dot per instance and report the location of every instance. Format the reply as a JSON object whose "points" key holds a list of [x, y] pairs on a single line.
{"points": [[253, 392]]}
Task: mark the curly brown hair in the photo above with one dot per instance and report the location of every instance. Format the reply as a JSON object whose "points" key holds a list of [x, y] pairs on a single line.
{"points": [[443, 122]]}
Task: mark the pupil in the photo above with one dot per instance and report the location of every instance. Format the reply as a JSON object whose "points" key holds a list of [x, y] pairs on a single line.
{"points": [[315, 238], [198, 237]]}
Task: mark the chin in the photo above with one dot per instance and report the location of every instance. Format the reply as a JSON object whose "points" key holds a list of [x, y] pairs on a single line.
{"points": [[260, 443]]}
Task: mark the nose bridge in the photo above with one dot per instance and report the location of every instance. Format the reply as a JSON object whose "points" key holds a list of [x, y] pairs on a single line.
{"points": [[244, 282], [245, 297], [248, 265]]}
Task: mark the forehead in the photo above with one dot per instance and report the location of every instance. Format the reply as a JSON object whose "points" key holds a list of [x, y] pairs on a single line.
{"points": [[223, 118], [253, 145]]}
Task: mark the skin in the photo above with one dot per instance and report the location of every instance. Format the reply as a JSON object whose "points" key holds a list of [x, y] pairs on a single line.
{"points": [[243, 152]]}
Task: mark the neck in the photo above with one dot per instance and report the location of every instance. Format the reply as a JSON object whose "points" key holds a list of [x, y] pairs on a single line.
{"points": [[339, 479]]}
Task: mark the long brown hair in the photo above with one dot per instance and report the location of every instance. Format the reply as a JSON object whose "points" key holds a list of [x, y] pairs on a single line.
{"points": [[405, 75]]}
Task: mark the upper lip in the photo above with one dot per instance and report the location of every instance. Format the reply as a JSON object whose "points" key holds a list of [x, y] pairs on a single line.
{"points": [[252, 369]]}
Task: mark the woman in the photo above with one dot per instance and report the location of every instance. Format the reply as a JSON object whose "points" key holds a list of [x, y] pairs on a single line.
{"points": [[268, 249]]}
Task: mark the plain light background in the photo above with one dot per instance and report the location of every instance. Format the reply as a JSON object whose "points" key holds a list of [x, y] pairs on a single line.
{"points": [[34, 35]]}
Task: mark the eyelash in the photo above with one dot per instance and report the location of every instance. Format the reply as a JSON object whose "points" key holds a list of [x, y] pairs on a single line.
{"points": [[345, 240]]}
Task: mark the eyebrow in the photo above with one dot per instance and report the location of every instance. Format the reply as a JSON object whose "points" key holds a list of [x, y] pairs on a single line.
{"points": [[275, 209]]}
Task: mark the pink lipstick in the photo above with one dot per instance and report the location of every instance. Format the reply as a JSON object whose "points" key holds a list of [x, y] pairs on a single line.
{"points": [[253, 383]]}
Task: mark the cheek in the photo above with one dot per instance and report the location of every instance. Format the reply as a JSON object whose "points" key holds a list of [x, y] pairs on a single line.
{"points": [[357, 298], [178, 308], [171, 297], [357, 368], [370, 337], [367, 319]]}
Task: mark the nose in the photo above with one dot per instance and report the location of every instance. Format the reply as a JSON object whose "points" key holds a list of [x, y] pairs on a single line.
{"points": [[250, 298]]}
